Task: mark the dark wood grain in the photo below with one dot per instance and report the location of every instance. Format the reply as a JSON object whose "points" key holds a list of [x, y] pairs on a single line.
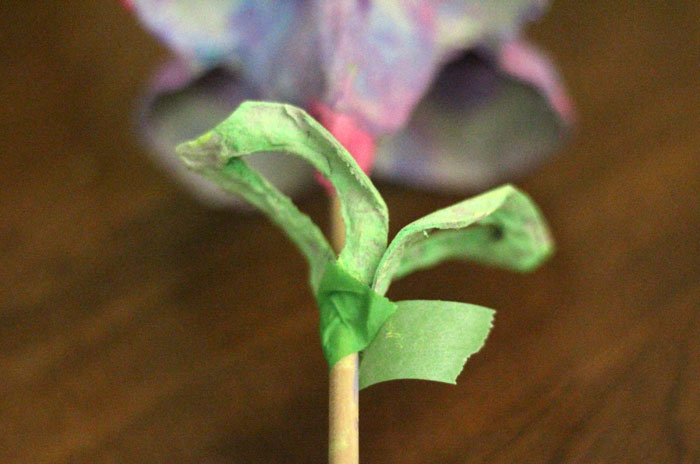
{"points": [[138, 327]]}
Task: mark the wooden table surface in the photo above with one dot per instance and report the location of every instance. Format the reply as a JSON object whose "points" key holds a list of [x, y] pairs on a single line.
{"points": [[138, 327]]}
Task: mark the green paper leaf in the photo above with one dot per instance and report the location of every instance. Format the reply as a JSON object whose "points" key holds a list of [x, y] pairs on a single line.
{"points": [[429, 340], [502, 227], [351, 313], [258, 127]]}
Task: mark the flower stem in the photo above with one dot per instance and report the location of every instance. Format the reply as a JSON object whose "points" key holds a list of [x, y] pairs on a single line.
{"points": [[343, 405]]}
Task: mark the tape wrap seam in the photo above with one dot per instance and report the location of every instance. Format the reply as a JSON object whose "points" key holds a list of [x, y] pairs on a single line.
{"points": [[351, 313]]}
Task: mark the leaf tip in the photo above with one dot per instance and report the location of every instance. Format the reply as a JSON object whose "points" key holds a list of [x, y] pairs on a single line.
{"points": [[203, 152]]}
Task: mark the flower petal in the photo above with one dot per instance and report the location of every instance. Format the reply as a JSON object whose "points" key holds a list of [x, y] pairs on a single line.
{"points": [[272, 44], [462, 24], [479, 124], [183, 103], [525, 62], [196, 31], [378, 58]]}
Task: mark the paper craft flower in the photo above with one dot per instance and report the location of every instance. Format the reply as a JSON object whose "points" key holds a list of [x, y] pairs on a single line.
{"points": [[403, 340], [445, 90]]}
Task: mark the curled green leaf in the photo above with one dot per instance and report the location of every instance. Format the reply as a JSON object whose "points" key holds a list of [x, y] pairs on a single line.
{"points": [[259, 127], [502, 227]]}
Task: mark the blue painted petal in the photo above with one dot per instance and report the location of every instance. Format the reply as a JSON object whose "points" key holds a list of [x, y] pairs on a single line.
{"points": [[480, 124], [378, 57], [461, 24], [272, 43]]}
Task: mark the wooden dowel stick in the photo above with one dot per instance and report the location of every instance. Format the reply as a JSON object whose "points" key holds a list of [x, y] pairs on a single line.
{"points": [[343, 405]]}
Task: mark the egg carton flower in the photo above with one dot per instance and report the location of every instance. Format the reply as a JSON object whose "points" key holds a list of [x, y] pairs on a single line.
{"points": [[442, 94]]}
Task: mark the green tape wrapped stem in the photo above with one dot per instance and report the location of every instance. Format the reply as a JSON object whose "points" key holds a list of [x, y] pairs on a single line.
{"points": [[351, 313]]}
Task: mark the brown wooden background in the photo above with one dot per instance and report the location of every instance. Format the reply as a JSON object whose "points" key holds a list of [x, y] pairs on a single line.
{"points": [[138, 327]]}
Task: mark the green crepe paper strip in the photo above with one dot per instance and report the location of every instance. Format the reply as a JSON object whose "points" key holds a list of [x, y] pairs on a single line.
{"points": [[416, 339], [502, 227], [259, 127], [351, 313], [429, 340]]}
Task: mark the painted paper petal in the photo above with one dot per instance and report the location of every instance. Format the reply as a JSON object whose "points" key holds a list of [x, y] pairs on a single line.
{"points": [[197, 31], [271, 43], [461, 24], [429, 340], [183, 103], [526, 62], [378, 57], [477, 126]]}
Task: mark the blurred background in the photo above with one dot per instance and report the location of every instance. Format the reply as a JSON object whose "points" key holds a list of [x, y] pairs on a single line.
{"points": [[138, 326]]}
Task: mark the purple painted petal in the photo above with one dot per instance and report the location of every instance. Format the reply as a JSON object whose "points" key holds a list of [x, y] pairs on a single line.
{"points": [[183, 103], [378, 57], [463, 24], [478, 125], [198, 32], [525, 62], [272, 43]]}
